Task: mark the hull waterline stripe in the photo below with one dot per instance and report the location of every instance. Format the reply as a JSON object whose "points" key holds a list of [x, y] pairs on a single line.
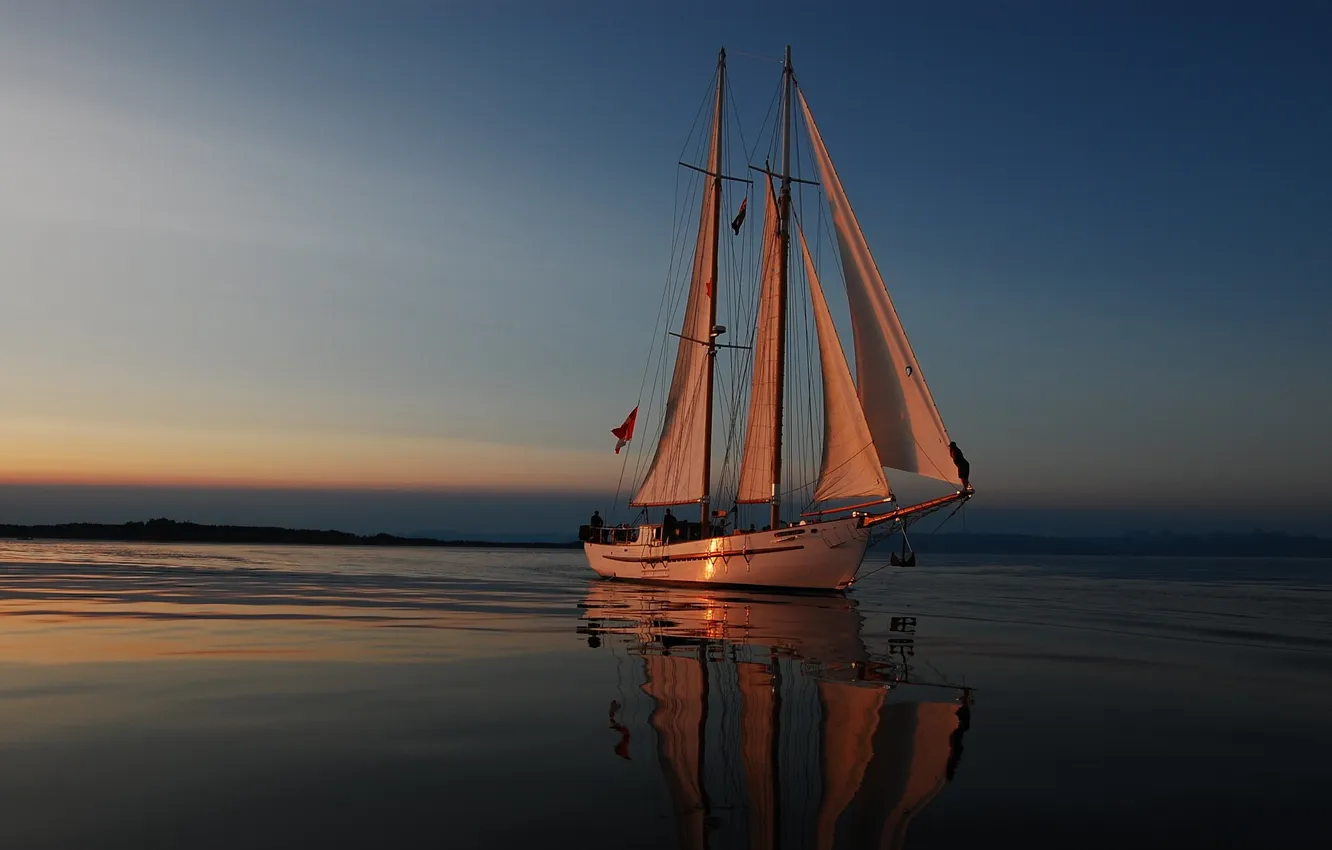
{"points": [[703, 556]]}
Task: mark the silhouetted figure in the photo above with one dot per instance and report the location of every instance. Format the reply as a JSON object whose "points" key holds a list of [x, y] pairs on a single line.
{"points": [[963, 467], [668, 524], [751, 528], [596, 522]]}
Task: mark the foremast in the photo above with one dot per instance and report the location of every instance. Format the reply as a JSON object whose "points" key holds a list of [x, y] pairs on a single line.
{"points": [[783, 273]]}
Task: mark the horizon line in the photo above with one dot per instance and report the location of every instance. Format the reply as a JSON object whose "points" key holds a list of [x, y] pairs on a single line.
{"points": [[999, 499]]}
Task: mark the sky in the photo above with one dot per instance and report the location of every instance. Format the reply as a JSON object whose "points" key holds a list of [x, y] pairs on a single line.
{"points": [[414, 249]]}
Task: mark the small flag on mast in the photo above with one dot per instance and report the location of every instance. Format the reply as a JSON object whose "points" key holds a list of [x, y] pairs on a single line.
{"points": [[625, 432], [739, 217]]}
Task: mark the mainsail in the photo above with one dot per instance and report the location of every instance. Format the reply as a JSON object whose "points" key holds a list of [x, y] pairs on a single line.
{"points": [[760, 440], [908, 432], [850, 465], [679, 469]]}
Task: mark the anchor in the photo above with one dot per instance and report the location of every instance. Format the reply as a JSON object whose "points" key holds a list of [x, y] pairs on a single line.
{"points": [[908, 556]]}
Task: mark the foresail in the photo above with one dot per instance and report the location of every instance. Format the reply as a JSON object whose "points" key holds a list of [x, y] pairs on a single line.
{"points": [[908, 432], [760, 441], [677, 473], [850, 465]]}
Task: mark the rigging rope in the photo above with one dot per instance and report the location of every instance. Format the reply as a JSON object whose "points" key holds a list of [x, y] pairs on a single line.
{"points": [[755, 56]]}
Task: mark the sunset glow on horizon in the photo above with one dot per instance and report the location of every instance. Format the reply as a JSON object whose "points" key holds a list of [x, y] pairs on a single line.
{"points": [[35, 452]]}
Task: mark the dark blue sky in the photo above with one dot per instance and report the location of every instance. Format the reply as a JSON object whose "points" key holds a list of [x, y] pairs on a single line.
{"points": [[405, 232]]}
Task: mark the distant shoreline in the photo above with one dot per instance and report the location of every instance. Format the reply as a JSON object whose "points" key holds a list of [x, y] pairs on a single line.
{"points": [[1255, 544], [171, 531]]}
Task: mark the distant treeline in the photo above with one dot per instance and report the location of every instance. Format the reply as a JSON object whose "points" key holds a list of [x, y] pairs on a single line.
{"points": [[171, 531], [1254, 544], [1248, 545]]}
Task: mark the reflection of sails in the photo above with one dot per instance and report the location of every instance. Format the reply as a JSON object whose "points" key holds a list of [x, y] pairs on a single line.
{"points": [[680, 688], [774, 725]]}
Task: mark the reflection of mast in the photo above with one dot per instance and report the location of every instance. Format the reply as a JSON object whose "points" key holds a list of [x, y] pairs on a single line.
{"points": [[678, 685], [758, 736], [776, 754]]}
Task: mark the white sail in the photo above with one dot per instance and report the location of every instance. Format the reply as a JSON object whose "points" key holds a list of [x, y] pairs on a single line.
{"points": [[760, 440], [679, 467], [908, 432], [850, 464]]}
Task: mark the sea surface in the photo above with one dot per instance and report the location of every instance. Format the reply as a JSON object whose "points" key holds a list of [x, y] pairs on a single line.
{"points": [[239, 696]]}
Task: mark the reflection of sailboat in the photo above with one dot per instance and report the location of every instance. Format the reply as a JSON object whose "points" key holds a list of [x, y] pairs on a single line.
{"points": [[775, 726]]}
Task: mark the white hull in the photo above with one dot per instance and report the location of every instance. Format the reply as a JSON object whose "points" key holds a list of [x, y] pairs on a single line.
{"points": [[817, 556]]}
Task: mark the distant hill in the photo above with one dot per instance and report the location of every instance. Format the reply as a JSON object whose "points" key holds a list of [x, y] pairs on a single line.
{"points": [[171, 531], [1247, 544], [522, 537], [1243, 544]]}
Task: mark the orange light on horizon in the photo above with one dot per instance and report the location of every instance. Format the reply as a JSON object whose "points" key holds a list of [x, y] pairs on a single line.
{"points": [[44, 452]]}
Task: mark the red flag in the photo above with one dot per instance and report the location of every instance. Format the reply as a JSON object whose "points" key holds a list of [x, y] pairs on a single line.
{"points": [[739, 217], [625, 432]]}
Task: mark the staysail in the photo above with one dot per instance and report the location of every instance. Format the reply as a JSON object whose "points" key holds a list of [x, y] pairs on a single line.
{"points": [[850, 465], [760, 441], [679, 468], [908, 432]]}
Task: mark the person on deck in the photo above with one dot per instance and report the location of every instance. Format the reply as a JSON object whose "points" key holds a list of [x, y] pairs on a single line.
{"points": [[963, 467], [668, 523], [596, 524]]}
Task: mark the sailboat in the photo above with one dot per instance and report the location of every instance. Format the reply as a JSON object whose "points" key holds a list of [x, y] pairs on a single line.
{"points": [[883, 416], [769, 719]]}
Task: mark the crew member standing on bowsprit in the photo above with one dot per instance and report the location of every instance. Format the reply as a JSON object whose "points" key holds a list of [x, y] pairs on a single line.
{"points": [[963, 467]]}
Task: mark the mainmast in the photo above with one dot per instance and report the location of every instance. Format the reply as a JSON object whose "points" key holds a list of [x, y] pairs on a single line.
{"points": [[783, 263], [714, 173]]}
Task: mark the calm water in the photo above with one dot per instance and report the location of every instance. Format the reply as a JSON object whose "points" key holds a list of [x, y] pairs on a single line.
{"points": [[227, 696]]}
